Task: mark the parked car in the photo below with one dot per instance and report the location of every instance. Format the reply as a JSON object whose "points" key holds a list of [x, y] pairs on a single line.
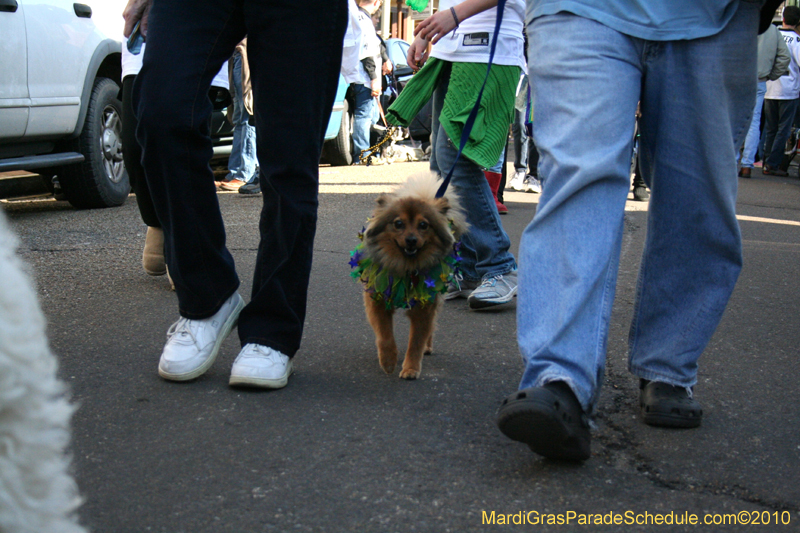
{"points": [[59, 97], [338, 147]]}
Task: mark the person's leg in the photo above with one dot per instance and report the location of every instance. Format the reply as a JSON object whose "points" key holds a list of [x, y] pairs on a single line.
{"points": [[437, 102], [132, 155], [153, 260], [362, 118], [563, 318], [291, 117], [787, 110], [771, 113], [485, 248], [520, 141], [692, 255], [187, 43], [242, 162], [753, 134]]}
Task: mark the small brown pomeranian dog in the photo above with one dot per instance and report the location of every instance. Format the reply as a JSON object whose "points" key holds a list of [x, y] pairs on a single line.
{"points": [[407, 257]]}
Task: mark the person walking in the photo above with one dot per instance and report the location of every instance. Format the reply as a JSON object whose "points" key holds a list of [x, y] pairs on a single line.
{"points": [[773, 62], [188, 41], [453, 76], [368, 88], [781, 99], [242, 163], [691, 65]]}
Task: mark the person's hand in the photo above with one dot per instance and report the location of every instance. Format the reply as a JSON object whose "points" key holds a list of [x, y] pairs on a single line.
{"points": [[387, 67], [376, 86], [136, 10], [417, 54], [435, 27]]}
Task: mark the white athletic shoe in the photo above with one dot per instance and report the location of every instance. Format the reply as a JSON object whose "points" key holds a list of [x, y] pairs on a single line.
{"points": [[517, 182], [261, 366], [532, 184], [193, 345]]}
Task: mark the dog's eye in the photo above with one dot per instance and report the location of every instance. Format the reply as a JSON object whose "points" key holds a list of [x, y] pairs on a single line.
{"points": [[423, 225], [398, 224]]}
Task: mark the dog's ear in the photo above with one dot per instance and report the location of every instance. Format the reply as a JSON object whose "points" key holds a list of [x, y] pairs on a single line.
{"points": [[382, 200], [443, 205]]}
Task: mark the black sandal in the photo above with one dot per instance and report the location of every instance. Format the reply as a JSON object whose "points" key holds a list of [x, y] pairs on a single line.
{"points": [[549, 420], [669, 406]]}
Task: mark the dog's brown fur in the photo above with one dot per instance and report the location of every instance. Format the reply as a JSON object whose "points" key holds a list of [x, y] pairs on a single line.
{"points": [[410, 230]]}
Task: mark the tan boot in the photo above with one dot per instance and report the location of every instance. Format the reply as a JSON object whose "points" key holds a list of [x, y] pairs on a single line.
{"points": [[153, 255]]}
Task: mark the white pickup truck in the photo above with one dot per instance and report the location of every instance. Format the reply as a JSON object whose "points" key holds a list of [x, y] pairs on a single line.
{"points": [[59, 96]]}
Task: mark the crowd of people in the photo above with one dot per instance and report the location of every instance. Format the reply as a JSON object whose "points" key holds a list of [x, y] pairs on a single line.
{"points": [[593, 70]]}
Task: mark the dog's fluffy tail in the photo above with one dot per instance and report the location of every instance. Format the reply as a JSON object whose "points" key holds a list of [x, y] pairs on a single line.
{"points": [[37, 491], [426, 185]]}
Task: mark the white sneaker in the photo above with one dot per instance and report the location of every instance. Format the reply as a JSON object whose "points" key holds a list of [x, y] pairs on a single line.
{"points": [[517, 182], [532, 184], [193, 345], [261, 366], [497, 290]]}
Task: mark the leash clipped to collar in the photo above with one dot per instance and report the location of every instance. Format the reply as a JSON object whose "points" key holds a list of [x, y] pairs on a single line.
{"points": [[501, 4]]}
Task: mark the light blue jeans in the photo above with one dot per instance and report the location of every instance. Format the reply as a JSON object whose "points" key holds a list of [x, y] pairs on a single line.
{"points": [[485, 248], [362, 117], [697, 100], [243, 162], [754, 133]]}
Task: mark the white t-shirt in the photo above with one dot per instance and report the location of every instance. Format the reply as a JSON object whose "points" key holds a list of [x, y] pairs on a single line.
{"points": [[351, 66], [471, 41], [132, 64], [787, 87], [370, 46]]}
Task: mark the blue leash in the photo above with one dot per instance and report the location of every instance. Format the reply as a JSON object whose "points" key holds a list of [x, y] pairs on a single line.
{"points": [[501, 4]]}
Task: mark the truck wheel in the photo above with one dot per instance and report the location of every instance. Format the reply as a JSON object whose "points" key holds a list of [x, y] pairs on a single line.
{"points": [[339, 151], [101, 180]]}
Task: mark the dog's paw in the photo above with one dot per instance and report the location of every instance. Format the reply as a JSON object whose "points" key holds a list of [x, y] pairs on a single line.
{"points": [[410, 373], [388, 368], [428, 351]]}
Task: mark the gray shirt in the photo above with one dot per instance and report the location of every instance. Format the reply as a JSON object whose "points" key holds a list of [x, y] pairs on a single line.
{"points": [[773, 55]]}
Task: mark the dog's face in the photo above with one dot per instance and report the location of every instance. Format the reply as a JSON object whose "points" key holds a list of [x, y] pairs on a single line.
{"points": [[409, 233]]}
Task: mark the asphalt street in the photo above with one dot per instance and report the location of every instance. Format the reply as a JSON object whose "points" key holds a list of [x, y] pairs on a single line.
{"points": [[347, 448]]}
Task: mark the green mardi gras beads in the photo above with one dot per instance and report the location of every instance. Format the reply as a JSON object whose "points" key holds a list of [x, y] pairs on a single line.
{"points": [[417, 5]]}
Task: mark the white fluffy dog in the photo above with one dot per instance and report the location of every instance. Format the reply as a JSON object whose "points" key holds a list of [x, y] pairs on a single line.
{"points": [[37, 492]]}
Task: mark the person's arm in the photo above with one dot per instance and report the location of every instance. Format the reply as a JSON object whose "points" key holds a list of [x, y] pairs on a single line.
{"points": [[443, 22], [369, 66], [782, 59], [136, 10]]}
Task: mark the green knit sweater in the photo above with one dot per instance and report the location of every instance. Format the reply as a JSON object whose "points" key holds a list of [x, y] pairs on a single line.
{"points": [[487, 140]]}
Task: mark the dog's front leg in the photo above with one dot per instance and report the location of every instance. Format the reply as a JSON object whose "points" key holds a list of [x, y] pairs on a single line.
{"points": [[382, 323], [420, 338]]}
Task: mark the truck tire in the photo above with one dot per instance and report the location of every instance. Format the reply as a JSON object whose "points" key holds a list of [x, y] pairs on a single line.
{"points": [[101, 180], [339, 151]]}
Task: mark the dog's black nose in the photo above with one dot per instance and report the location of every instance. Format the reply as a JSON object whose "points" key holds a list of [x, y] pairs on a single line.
{"points": [[411, 241]]}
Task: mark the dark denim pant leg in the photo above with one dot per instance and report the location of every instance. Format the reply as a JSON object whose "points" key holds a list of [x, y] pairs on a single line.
{"points": [[187, 43], [132, 155], [778, 126], [294, 57]]}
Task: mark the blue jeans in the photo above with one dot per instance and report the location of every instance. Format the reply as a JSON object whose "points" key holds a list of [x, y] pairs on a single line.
{"points": [[485, 248], [754, 133], [697, 97], [362, 117], [242, 163], [778, 119], [187, 43]]}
